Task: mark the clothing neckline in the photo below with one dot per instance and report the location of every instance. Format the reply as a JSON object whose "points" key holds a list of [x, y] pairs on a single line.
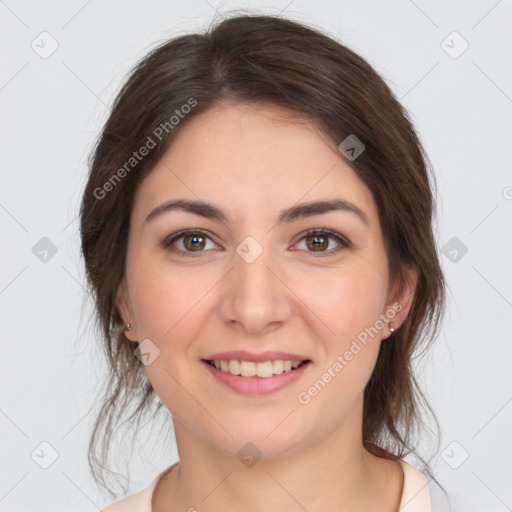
{"points": [[415, 493]]}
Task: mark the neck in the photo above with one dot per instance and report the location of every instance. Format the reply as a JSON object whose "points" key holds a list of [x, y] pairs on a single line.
{"points": [[332, 473]]}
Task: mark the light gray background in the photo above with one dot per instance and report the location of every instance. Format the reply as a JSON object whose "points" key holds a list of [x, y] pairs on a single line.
{"points": [[52, 109]]}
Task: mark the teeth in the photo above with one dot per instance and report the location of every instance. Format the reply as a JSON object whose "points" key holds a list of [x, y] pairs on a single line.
{"points": [[234, 367], [278, 367], [250, 369]]}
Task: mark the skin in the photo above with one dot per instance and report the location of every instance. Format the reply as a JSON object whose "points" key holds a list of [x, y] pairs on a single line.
{"points": [[252, 161]]}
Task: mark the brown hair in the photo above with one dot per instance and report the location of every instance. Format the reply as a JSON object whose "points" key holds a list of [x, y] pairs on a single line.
{"points": [[255, 58]]}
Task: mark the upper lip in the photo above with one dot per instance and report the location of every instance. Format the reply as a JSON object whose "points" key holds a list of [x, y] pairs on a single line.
{"points": [[243, 355]]}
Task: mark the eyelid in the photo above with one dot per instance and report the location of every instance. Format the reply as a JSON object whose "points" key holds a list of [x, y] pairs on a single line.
{"points": [[171, 239], [343, 242]]}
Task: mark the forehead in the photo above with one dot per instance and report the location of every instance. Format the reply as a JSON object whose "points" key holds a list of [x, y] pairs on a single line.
{"points": [[256, 157]]}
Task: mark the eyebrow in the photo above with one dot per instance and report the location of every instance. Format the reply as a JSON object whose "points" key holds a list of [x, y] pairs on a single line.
{"points": [[210, 211]]}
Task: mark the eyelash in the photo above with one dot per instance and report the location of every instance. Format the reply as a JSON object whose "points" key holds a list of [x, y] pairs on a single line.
{"points": [[344, 243]]}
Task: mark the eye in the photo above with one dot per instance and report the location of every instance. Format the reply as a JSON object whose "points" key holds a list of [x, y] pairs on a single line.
{"points": [[319, 241], [191, 241]]}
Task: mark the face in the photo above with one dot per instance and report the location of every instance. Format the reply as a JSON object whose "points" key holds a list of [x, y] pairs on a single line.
{"points": [[304, 285]]}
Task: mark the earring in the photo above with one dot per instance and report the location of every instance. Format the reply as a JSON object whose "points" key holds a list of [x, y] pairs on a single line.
{"points": [[391, 328], [128, 327]]}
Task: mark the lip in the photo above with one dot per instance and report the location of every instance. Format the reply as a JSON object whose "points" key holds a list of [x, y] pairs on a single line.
{"points": [[257, 385], [243, 355]]}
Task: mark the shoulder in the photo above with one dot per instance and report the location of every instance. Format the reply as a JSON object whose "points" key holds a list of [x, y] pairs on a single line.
{"points": [[140, 501], [415, 492]]}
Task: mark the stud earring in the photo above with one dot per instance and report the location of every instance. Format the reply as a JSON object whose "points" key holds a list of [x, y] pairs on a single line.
{"points": [[391, 328], [128, 327]]}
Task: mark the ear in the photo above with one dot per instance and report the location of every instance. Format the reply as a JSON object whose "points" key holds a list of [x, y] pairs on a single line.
{"points": [[125, 310], [402, 298]]}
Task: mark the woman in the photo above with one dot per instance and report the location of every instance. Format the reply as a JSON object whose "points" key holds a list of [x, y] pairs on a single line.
{"points": [[257, 232]]}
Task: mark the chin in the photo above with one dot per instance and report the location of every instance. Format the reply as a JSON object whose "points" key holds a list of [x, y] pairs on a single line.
{"points": [[266, 437]]}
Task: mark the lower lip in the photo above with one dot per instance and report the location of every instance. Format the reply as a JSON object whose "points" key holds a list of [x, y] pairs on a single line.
{"points": [[257, 385]]}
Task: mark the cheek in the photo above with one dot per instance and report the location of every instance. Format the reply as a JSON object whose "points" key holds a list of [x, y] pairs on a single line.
{"points": [[349, 299], [169, 304], [351, 303], [165, 298]]}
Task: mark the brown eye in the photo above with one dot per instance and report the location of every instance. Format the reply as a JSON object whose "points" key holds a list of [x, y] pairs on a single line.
{"points": [[188, 242], [318, 241], [194, 242]]}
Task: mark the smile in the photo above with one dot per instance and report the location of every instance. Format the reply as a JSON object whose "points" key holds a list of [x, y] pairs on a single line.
{"points": [[256, 378], [263, 369]]}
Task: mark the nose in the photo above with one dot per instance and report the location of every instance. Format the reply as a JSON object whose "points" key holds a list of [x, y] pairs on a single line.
{"points": [[255, 298]]}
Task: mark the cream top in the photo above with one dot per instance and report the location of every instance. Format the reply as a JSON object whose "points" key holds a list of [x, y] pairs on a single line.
{"points": [[415, 494]]}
